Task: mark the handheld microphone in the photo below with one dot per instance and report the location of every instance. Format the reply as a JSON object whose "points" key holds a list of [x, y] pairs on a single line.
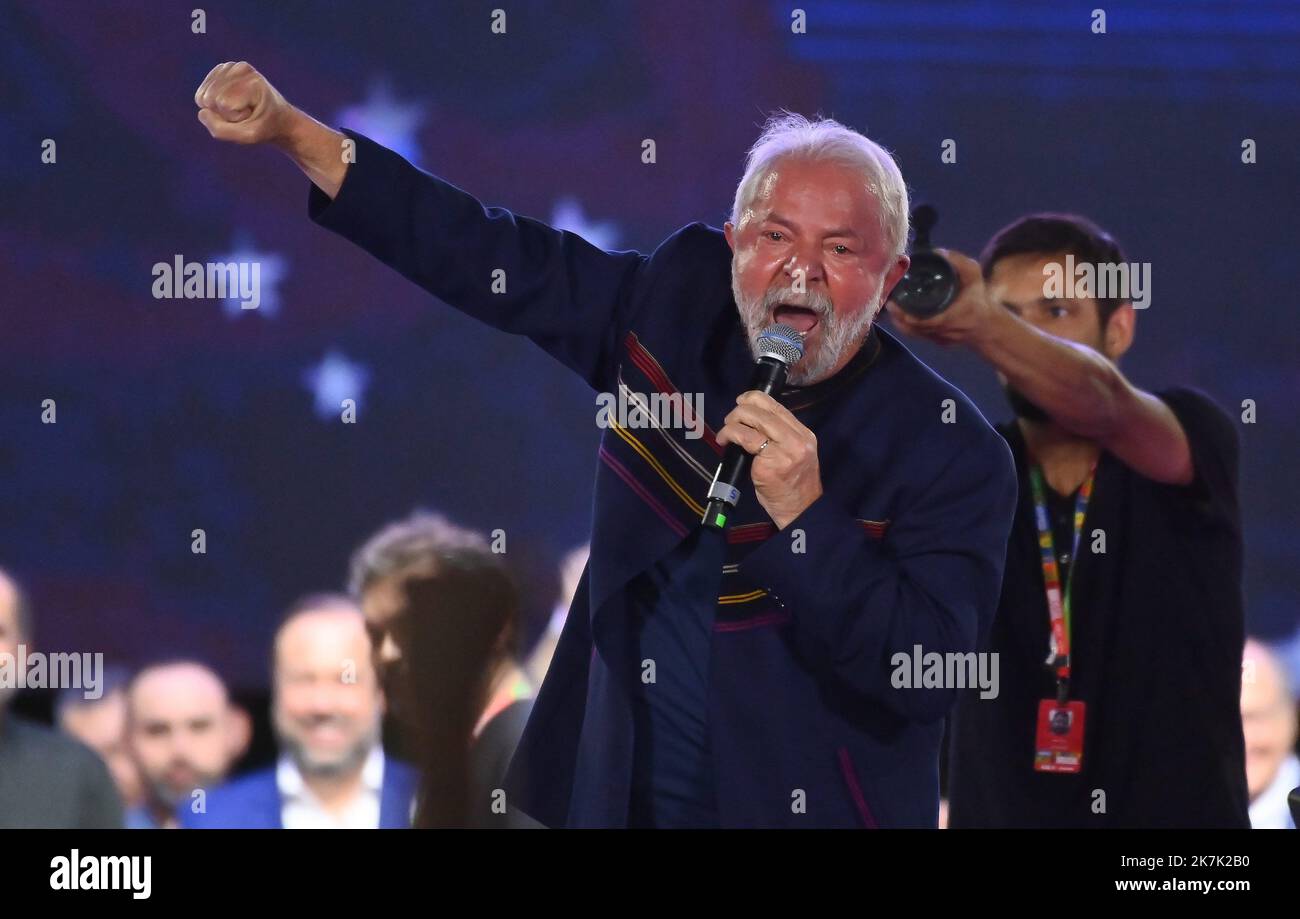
{"points": [[779, 346], [930, 285]]}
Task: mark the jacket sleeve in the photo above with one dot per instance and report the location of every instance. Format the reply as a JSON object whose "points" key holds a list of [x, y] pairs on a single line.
{"points": [[513, 273], [931, 582]]}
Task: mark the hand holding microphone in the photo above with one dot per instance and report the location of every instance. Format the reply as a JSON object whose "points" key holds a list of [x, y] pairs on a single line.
{"points": [[763, 432]]}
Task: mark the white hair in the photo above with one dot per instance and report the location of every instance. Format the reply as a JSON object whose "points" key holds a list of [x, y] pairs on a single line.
{"points": [[825, 139]]}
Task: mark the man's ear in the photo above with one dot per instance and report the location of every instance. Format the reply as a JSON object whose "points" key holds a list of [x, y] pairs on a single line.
{"points": [[729, 231], [1118, 334], [239, 732], [896, 271]]}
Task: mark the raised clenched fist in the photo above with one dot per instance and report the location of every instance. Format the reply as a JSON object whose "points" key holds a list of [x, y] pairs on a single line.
{"points": [[238, 104]]}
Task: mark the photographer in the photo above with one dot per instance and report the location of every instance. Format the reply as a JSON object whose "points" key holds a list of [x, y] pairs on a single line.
{"points": [[1123, 568]]}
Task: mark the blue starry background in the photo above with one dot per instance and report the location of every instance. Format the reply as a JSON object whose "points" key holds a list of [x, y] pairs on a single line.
{"points": [[174, 415]]}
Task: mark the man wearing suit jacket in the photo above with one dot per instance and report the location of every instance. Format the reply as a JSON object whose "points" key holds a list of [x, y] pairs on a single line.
{"points": [[703, 678], [327, 709]]}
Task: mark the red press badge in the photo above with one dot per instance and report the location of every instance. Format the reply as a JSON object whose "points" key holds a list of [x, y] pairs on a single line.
{"points": [[1059, 744]]}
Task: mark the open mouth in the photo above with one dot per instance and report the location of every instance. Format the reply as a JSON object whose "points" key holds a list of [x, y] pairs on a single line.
{"points": [[800, 318]]}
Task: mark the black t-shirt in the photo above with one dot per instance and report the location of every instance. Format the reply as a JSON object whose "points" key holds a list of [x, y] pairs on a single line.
{"points": [[1060, 511], [1157, 634]]}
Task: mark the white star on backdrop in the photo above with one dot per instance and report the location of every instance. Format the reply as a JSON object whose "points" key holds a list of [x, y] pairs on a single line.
{"points": [[386, 121], [334, 379], [271, 268], [569, 215]]}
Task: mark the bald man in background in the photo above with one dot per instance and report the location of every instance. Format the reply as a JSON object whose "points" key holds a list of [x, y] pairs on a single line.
{"points": [[1268, 718], [327, 710], [179, 729], [47, 780]]}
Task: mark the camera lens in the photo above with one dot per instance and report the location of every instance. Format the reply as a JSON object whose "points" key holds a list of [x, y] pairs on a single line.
{"points": [[927, 288]]}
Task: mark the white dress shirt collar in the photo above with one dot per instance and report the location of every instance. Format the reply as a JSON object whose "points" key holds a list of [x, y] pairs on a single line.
{"points": [[1270, 810], [301, 809]]}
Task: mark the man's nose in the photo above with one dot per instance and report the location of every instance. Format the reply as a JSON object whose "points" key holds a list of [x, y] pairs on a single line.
{"points": [[323, 699], [806, 263]]}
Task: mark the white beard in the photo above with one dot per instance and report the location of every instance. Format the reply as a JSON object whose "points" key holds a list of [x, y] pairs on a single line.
{"points": [[838, 335]]}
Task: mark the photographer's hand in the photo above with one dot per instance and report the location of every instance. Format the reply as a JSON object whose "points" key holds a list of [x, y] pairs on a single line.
{"points": [[969, 316]]}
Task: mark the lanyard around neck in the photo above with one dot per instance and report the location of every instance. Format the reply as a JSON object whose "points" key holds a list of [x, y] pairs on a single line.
{"points": [[1058, 600]]}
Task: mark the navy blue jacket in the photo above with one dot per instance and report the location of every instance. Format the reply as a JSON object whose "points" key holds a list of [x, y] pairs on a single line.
{"points": [[253, 802], [904, 548]]}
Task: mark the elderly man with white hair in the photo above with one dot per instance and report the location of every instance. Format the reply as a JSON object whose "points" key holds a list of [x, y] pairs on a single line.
{"points": [[759, 673]]}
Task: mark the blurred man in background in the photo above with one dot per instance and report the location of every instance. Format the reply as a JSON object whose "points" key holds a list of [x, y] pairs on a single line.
{"points": [[178, 727], [327, 710], [47, 780], [1268, 719], [443, 617], [101, 725]]}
